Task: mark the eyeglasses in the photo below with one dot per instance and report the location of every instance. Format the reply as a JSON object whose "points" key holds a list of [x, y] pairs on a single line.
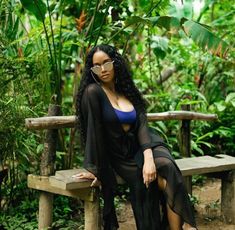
{"points": [[107, 66]]}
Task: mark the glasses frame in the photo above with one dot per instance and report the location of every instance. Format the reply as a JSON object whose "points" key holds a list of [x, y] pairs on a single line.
{"points": [[100, 66]]}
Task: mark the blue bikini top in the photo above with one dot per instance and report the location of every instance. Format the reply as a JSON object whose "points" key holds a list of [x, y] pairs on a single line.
{"points": [[126, 117]]}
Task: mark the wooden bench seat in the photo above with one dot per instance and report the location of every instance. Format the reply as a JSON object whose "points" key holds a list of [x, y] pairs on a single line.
{"points": [[206, 164], [62, 183]]}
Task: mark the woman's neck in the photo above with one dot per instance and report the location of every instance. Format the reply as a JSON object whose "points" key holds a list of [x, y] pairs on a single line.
{"points": [[110, 90], [109, 87]]}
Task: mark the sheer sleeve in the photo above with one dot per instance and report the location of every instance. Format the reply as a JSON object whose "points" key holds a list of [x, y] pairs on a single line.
{"points": [[143, 132], [147, 137], [96, 159], [92, 115]]}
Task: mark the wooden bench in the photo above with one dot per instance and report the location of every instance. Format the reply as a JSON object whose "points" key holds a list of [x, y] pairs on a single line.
{"points": [[63, 183], [60, 182]]}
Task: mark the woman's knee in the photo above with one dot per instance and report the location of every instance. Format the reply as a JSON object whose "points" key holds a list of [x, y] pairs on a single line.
{"points": [[164, 162], [161, 183], [167, 170]]}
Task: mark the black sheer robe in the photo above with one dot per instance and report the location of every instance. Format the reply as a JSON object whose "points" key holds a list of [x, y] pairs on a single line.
{"points": [[109, 150]]}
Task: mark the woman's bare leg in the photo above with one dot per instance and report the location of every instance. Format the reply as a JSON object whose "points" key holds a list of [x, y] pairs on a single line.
{"points": [[173, 218]]}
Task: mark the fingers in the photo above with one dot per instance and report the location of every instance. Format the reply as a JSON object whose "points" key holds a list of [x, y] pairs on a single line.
{"points": [[79, 175], [95, 182], [147, 184], [87, 175], [148, 178], [83, 175]]}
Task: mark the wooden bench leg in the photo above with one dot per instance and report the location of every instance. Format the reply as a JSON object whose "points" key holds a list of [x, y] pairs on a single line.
{"points": [[92, 214], [228, 197], [45, 210], [188, 184]]}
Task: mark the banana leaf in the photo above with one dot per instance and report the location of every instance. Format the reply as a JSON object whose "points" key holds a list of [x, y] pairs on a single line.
{"points": [[199, 33]]}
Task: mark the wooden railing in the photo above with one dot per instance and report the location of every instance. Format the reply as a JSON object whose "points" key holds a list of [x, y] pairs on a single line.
{"points": [[57, 122]]}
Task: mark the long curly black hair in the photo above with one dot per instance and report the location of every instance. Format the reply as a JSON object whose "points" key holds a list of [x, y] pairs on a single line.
{"points": [[123, 83]]}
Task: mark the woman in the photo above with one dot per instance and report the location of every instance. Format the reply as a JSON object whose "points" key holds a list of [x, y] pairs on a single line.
{"points": [[113, 126]]}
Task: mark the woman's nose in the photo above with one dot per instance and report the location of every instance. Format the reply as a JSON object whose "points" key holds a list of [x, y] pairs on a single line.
{"points": [[102, 68]]}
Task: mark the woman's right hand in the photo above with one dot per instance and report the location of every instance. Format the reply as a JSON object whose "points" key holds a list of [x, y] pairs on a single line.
{"points": [[149, 168], [89, 176]]}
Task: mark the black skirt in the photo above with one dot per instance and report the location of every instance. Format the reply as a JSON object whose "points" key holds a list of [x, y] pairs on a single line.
{"points": [[149, 204]]}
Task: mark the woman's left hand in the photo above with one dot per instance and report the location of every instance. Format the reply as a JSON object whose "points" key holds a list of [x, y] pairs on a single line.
{"points": [[87, 175], [149, 168]]}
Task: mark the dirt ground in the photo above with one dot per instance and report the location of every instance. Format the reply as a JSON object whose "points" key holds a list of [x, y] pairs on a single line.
{"points": [[208, 213]]}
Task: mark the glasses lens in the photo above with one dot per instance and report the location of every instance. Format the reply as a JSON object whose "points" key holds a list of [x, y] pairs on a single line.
{"points": [[108, 66], [96, 70]]}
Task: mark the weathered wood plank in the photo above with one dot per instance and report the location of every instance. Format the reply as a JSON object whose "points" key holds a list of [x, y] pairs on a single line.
{"points": [[188, 166], [63, 179], [52, 122], [42, 183], [181, 115], [205, 164], [56, 122]]}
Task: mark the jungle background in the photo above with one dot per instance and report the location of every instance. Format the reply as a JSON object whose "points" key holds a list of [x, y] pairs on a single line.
{"points": [[180, 52]]}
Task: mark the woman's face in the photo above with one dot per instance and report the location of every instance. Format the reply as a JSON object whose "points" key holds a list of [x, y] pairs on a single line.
{"points": [[103, 67]]}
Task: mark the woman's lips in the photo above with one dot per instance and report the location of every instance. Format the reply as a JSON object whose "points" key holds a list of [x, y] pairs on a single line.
{"points": [[105, 76]]}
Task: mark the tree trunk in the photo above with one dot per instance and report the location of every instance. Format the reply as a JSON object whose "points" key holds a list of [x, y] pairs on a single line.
{"points": [[47, 169]]}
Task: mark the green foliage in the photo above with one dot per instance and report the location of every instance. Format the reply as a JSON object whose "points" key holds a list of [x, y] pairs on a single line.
{"points": [[36, 7], [205, 39], [21, 214], [213, 205], [17, 221], [194, 200], [198, 180], [67, 214], [198, 32], [24, 215], [223, 132]]}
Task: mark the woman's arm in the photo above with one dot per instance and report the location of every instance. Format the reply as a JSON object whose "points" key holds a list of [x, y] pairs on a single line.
{"points": [[94, 144], [149, 168]]}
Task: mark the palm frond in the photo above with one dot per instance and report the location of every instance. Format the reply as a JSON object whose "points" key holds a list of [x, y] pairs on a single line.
{"points": [[199, 33], [205, 39]]}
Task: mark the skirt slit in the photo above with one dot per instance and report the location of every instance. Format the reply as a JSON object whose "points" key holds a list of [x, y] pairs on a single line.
{"points": [[146, 201], [175, 194]]}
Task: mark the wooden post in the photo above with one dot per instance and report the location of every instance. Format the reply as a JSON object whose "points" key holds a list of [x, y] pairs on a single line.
{"points": [[92, 213], [47, 169], [228, 197], [45, 210], [185, 145]]}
